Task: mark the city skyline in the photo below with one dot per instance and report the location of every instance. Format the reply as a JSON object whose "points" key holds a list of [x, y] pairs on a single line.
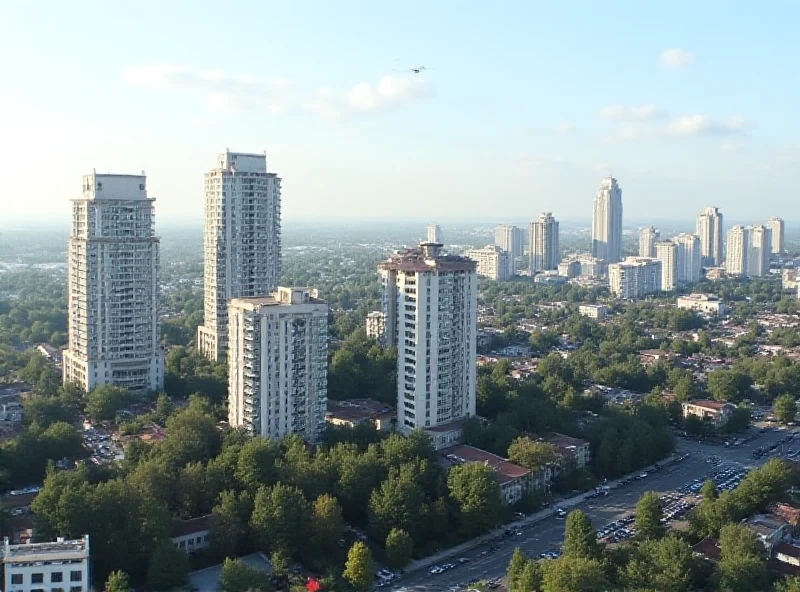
{"points": [[678, 137]]}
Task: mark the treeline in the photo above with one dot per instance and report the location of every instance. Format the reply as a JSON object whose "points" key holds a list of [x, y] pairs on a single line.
{"points": [[33, 308], [284, 498], [656, 559], [361, 368]]}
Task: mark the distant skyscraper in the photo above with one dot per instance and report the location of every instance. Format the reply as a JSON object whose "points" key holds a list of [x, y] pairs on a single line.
{"points": [[430, 301], [737, 258], [647, 241], [492, 262], [689, 260], [776, 225], [760, 249], [112, 287], [241, 241], [435, 234], [510, 239], [278, 364], [635, 277], [709, 229], [543, 247], [667, 253], [607, 222]]}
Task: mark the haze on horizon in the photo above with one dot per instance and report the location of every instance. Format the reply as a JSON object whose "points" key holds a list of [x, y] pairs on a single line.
{"points": [[526, 106]]}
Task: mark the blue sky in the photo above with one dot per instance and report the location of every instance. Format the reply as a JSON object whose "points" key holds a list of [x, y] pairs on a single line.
{"points": [[526, 105]]}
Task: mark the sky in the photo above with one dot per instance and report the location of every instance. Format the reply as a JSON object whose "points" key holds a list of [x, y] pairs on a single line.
{"points": [[525, 106]]}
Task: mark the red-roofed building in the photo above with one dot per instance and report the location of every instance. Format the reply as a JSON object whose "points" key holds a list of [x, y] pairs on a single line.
{"points": [[716, 412], [573, 452], [513, 479], [191, 535], [788, 513]]}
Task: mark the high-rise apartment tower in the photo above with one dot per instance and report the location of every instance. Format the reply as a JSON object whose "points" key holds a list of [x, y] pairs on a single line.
{"points": [[607, 222], [112, 287], [777, 226], [709, 229], [647, 241], [241, 241], [543, 247]]}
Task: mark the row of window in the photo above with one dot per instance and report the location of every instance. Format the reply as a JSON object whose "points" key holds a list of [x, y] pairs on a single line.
{"points": [[55, 577]]}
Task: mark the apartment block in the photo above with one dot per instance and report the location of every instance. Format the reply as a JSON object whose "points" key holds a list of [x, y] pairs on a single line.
{"points": [[241, 241], [647, 241], [431, 303], [607, 222], [667, 253], [689, 262], [737, 258], [635, 277], [59, 566], [492, 262], [112, 287], [760, 251], [376, 325], [435, 234], [278, 364], [709, 229], [778, 228], [569, 268], [512, 240], [543, 247]]}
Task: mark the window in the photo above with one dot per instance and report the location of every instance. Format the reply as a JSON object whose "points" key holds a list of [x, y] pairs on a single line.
{"points": [[37, 578], [16, 579], [76, 589], [76, 576], [57, 576]]}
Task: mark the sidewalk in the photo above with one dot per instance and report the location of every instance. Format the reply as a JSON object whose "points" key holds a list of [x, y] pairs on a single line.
{"points": [[458, 550]]}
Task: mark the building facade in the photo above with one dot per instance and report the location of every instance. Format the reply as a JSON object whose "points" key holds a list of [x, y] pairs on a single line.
{"points": [[543, 247], [607, 222], [689, 258], [569, 268], [760, 251], [635, 277], [241, 241], [592, 267], [376, 325], [647, 241], [709, 229], [778, 229], [278, 364], [737, 257], [716, 412], [493, 262], [435, 234], [431, 303], [703, 303], [512, 240], [667, 253], [62, 565], [593, 311], [112, 287]]}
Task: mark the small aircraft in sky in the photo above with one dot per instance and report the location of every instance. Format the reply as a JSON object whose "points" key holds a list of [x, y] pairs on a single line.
{"points": [[414, 69]]}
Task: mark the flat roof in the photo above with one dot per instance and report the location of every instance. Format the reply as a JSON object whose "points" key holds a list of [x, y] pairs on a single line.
{"points": [[207, 580], [52, 551]]}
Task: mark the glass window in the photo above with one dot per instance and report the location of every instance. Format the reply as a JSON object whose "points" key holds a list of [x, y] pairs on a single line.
{"points": [[57, 576], [16, 579], [76, 576], [37, 578]]}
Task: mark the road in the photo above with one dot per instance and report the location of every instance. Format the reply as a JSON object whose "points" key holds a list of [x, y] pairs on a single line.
{"points": [[548, 533]]}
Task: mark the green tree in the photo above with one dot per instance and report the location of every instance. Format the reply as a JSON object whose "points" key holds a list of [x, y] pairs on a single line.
{"points": [[663, 564], [788, 585], [327, 525], [103, 402], [516, 566], [256, 464], [168, 567], [237, 576], [359, 567], [530, 579], [580, 538], [118, 581], [784, 408], [741, 566], [709, 491], [648, 517], [474, 488], [531, 454], [399, 547], [574, 574], [227, 527], [280, 516]]}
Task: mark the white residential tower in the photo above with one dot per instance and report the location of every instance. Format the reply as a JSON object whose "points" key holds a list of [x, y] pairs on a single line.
{"points": [[607, 222]]}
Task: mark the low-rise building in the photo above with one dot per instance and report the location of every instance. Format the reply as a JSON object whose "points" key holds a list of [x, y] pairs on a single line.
{"points": [[569, 268], [60, 565], [786, 553], [789, 514], [789, 279], [376, 325], [704, 303], [193, 535], [593, 311], [573, 452], [769, 530], [355, 412], [514, 480], [716, 412]]}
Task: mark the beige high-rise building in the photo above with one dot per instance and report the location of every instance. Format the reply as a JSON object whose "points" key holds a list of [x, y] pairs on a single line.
{"points": [[607, 222], [376, 325], [512, 240], [689, 258], [709, 229], [543, 247], [241, 241], [112, 287], [647, 241], [777, 226], [278, 364], [492, 262], [760, 250], [667, 253], [431, 305], [737, 257], [635, 277], [435, 234]]}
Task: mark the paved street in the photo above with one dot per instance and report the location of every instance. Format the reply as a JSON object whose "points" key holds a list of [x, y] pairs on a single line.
{"points": [[548, 533]]}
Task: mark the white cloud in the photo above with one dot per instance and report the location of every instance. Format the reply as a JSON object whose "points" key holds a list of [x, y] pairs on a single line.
{"points": [[564, 128], [676, 58], [636, 113], [229, 92], [703, 125]]}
